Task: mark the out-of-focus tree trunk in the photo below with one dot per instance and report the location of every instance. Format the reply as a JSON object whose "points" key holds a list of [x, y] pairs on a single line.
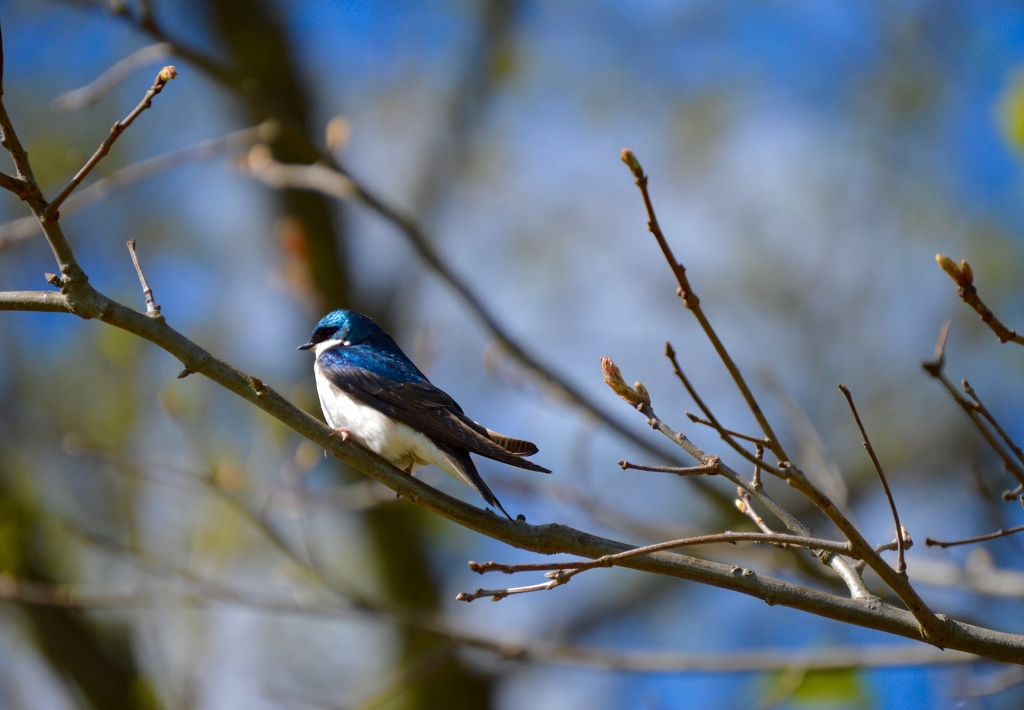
{"points": [[258, 47]]}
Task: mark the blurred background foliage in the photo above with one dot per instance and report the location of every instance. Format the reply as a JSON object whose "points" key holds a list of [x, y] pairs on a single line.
{"points": [[807, 160]]}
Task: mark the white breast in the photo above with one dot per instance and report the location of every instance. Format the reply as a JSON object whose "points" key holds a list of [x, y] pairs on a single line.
{"points": [[392, 440]]}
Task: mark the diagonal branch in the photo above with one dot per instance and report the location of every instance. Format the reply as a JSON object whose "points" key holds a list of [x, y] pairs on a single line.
{"points": [[933, 628], [165, 75], [937, 369], [693, 304], [901, 563]]}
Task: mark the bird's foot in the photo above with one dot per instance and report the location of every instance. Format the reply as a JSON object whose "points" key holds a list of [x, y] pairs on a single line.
{"points": [[342, 433]]}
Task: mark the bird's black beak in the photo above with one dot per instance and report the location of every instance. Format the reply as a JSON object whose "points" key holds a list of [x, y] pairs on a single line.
{"points": [[307, 346]]}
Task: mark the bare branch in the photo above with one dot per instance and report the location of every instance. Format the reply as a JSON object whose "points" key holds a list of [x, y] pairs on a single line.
{"points": [[983, 410], [936, 369], [811, 543], [699, 420], [693, 304], [638, 397], [166, 74], [206, 593], [964, 278], [49, 301], [726, 434], [933, 628], [13, 184], [562, 572], [901, 563], [969, 540], [99, 87], [152, 309], [709, 469]]}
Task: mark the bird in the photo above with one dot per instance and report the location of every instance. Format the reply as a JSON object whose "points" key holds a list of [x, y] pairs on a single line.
{"points": [[371, 392]]}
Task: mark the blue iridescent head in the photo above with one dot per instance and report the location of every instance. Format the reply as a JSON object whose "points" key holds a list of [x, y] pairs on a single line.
{"points": [[348, 327]]}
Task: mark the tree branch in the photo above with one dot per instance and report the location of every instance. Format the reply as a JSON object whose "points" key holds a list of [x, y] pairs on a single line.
{"points": [[693, 304], [901, 563], [936, 369], [49, 301], [166, 74], [932, 627], [968, 540], [963, 275]]}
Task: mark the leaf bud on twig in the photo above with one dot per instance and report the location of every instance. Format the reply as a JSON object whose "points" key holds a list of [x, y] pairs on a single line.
{"points": [[613, 378], [951, 268], [166, 74], [967, 272], [630, 160]]}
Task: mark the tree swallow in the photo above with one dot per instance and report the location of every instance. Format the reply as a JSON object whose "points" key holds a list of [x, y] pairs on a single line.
{"points": [[370, 391]]}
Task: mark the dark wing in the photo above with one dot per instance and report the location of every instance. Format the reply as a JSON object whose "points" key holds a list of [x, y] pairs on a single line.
{"points": [[426, 409]]}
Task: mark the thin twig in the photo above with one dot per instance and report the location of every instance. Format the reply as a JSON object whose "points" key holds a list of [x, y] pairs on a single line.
{"points": [[758, 454], [152, 309], [936, 369], [969, 540], [726, 434], [165, 75], [99, 87], [706, 469], [983, 410], [692, 302], [561, 572], [901, 563], [811, 543], [963, 275], [700, 420]]}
